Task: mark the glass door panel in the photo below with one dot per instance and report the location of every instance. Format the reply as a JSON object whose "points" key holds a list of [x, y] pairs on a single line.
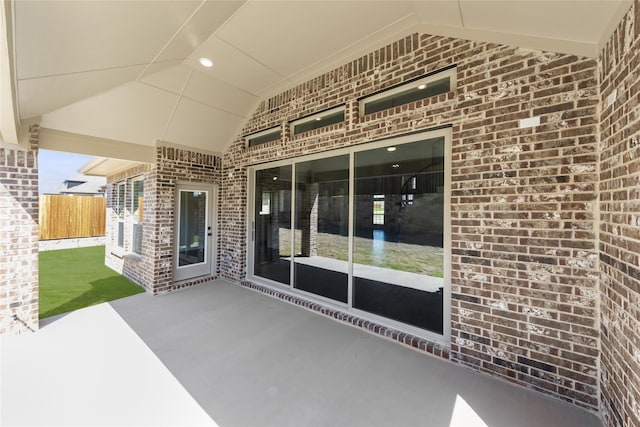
{"points": [[193, 239], [398, 233], [272, 224], [192, 227], [322, 227]]}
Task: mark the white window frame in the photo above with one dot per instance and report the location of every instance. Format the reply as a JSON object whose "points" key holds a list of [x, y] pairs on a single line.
{"points": [[316, 117], [133, 220], [446, 133], [378, 198], [121, 187], [448, 72], [208, 266], [274, 129]]}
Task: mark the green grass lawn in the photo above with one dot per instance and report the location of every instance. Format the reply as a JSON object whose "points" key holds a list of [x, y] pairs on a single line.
{"points": [[420, 259], [75, 278]]}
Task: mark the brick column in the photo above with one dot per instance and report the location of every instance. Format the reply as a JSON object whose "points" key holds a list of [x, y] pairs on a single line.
{"points": [[19, 237]]}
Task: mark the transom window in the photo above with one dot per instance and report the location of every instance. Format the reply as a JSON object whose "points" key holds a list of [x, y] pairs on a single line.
{"points": [[436, 83], [263, 137], [318, 121]]}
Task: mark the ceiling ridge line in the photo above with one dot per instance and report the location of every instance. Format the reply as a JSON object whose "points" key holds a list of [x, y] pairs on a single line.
{"points": [[209, 76], [213, 106], [192, 99], [175, 107], [332, 63], [461, 15], [89, 71], [226, 21], [413, 6], [255, 95], [186, 21], [250, 56]]}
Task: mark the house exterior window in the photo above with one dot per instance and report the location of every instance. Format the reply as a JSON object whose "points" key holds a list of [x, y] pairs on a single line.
{"points": [[137, 205], [318, 121], [436, 83], [119, 208], [378, 209], [263, 137]]}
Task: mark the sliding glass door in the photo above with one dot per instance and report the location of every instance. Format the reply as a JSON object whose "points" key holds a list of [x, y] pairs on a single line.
{"points": [[272, 224], [363, 228], [399, 230], [322, 227]]}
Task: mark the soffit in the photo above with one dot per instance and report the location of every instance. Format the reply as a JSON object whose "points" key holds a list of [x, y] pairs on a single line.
{"points": [[101, 166], [82, 36], [572, 20], [129, 70], [288, 36], [134, 112]]}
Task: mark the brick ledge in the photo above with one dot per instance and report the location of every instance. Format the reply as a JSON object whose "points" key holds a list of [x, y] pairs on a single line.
{"points": [[174, 286]]}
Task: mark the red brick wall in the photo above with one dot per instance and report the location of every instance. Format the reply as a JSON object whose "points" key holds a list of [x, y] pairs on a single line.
{"points": [[19, 237], [137, 268], [153, 269], [524, 249], [174, 164], [620, 224]]}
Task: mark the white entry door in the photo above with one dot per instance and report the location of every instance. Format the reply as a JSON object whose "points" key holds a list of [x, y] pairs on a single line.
{"points": [[195, 235]]}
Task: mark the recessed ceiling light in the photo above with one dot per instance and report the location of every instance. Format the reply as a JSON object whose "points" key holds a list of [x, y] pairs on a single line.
{"points": [[422, 86], [395, 165], [206, 62], [391, 148], [275, 178], [318, 119]]}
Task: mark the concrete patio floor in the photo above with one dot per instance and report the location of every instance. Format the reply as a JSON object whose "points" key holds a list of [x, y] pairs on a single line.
{"points": [[245, 359]]}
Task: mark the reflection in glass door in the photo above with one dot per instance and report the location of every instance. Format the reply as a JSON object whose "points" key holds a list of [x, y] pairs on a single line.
{"points": [[193, 231], [272, 224], [399, 228], [322, 227]]}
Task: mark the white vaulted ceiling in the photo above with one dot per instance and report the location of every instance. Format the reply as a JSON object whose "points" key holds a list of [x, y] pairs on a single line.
{"points": [[128, 71]]}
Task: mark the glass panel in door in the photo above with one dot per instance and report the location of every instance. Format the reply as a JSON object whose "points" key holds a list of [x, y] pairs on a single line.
{"points": [[272, 224], [398, 227], [192, 228], [321, 227], [194, 233]]}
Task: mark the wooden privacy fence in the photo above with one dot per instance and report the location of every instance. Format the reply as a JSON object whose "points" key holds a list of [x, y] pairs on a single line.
{"points": [[64, 217]]}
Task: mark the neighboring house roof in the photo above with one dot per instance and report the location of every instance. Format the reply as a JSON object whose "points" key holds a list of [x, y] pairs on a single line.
{"points": [[83, 185]]}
